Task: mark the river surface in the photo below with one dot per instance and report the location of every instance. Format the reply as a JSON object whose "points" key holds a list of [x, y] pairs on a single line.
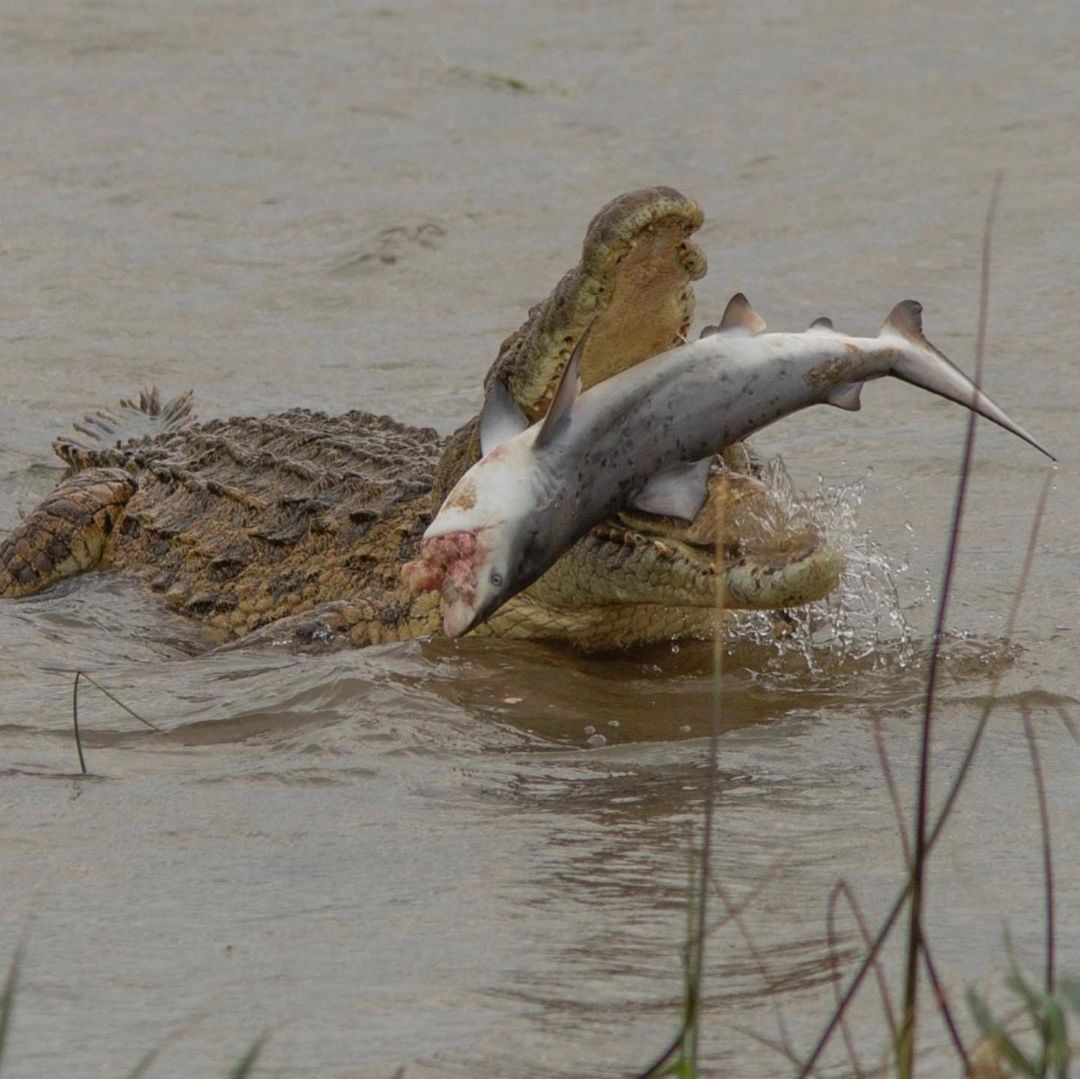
{"points": [[468, 858]]}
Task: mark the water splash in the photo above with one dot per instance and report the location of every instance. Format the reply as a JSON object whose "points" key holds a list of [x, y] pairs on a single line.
{"points": [[862, 620]]}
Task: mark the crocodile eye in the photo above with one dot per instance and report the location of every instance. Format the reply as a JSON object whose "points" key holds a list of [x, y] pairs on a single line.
{"points": [[496, 579]]}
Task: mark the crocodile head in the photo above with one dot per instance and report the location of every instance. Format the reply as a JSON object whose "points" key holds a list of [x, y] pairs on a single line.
{"points": [[637, 578]]}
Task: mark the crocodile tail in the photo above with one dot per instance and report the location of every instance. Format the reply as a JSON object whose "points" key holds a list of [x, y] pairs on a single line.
{"points": [[112, 436]]}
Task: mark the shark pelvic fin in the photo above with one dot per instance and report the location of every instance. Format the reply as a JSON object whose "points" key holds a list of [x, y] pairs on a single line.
{"points": [[677, 491], [847, 396], [501, 417], [739, 315], [822, 323], [565, 395]]}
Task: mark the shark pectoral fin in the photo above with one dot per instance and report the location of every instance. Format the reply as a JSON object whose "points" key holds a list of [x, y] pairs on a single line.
{"points": [[678, 491], [501, 417], [739, 315], [565, 395], [822, 323], [847, 396]]}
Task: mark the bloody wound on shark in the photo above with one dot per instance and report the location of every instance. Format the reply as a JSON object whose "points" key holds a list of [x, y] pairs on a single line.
{"points": [[644, 438]]}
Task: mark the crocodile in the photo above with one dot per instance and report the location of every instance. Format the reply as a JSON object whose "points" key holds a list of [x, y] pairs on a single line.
{"points": [[292, 528]]}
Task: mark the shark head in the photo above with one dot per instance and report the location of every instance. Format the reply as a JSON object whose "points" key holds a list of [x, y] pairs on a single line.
{"points": [[491, 537], [484, 544]]}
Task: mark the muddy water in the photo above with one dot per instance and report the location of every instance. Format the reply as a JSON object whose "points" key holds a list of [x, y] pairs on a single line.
{"points": [[441, 855]]}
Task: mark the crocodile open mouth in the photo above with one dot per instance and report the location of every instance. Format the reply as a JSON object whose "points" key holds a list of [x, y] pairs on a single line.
{"points": [[750, 547], [794, 569]]}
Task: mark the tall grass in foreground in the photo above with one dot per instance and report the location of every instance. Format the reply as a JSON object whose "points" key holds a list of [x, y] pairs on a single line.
{"points": [[1047, 1047], [240, 1070]]}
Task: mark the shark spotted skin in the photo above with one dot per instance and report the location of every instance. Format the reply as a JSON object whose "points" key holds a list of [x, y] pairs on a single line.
{"points": [[644, 438]]}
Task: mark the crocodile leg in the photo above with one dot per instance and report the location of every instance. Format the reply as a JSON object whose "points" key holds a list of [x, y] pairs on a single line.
{"points": [[66, 534]]}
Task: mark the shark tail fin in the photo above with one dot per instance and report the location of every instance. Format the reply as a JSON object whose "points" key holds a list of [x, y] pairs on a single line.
{"points": [[923, 365]]}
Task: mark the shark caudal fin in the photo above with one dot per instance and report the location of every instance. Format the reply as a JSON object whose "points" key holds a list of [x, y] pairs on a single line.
{"points": [[926, 367]]}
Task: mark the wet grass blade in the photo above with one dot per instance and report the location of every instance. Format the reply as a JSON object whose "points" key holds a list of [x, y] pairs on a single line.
{"points": [[247, 1062], [116, 700], [1057, 1049], [112, 697], [734, 913], [143, 1066], [1047, 848], [990, 1028], [677, 1058], [75, 722], [894, 793], [951, 797], [680, 1058], [7, 1000], [906, 1047], [1069, 988], [841, 889], [945, 1008]]}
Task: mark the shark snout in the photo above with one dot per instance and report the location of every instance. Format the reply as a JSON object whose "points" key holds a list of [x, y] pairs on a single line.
{"points": [[457, 566]]}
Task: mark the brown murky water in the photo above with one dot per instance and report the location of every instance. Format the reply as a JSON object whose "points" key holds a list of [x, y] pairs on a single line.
{"points": [[427, 854]]}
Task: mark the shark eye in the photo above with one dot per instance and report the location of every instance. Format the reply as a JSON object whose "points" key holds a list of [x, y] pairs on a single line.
{"points": [[496, 579]]}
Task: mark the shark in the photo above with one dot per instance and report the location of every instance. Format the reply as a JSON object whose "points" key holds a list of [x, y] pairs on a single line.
{"points": [[645, 439]]}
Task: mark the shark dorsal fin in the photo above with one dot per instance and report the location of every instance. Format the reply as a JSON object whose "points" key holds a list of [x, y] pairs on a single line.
{"points": [[906, 320], [565, 394], [708, 331], [739, 315], [823, 323], [501, 417]]}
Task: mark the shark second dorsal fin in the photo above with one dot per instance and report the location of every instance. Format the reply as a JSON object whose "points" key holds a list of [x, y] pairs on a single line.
{"points": [[906, 320], [565, 394], [501, 417], [739, 315], [823, 323]]}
